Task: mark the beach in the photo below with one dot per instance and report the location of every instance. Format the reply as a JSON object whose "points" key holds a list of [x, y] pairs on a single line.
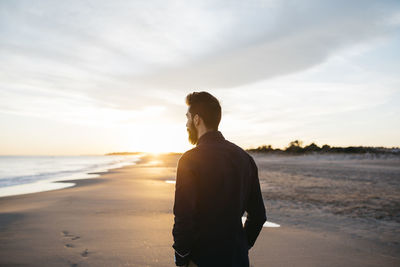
{"points": [[124, 218]]}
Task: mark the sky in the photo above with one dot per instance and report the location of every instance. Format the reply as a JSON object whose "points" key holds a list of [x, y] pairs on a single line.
{"points": [[92, 77]]}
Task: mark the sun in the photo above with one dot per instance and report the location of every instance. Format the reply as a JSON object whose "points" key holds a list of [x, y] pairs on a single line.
{"points": [[150, 139]]}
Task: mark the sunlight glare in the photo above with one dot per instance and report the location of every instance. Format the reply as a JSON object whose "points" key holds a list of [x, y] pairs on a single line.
{"points": [[158, 138]]}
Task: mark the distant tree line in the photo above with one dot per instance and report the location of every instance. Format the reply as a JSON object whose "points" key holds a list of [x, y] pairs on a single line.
{"points": [[296, 147], [123, 153]]}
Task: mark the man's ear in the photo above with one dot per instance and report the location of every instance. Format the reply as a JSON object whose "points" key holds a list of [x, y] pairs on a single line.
{"points": [[196, 119]]}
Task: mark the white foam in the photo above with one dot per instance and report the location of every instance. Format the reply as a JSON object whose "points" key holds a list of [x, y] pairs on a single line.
{"points": [[170, 181], [271, 224], [39, 186], [57, 169], [266, 224]]}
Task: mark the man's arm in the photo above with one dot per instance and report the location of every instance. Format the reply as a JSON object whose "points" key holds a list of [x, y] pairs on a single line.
{"points": [[184, 211], [256, 215]]}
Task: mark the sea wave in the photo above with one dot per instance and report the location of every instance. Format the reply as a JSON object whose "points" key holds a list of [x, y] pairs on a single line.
{"points": [[29, 174]]}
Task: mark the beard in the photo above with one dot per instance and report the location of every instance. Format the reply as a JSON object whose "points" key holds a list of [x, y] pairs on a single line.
{"points": [[193, 134]]}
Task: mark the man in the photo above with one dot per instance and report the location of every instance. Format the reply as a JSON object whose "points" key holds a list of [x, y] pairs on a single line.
{"points": [[216, 183]]}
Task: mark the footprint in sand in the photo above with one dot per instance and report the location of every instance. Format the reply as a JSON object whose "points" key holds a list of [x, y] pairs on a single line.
{"points": [[85, 253], [69, 235], [66, 234]]}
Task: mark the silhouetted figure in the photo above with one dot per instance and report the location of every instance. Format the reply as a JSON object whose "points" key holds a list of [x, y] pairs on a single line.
{"points": [[217, 181]]}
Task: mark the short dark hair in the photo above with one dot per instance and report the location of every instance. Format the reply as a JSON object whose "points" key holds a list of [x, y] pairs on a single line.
{"points": [[206, 106]]}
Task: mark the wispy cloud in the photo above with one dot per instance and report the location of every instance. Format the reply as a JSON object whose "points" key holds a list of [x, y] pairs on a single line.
{"points": [[276, 65]]}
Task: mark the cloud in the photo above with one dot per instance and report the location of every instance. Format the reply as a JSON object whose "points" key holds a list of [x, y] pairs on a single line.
{"points": [[174, 44], [279, 67], [129, 54], [301, 37]]}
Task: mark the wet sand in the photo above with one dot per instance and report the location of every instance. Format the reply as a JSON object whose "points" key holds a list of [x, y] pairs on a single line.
{"points": [[124, 218]]}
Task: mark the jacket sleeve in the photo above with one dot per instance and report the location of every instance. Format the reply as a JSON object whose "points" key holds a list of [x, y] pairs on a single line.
{"points": [[184, 212], [256, 215]]}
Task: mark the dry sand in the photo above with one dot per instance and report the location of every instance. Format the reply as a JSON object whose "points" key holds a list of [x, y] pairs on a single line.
{"points": [[124, 218]]}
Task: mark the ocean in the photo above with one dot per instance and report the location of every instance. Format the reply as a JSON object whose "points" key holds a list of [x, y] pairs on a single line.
{"points": [[30, 174]]}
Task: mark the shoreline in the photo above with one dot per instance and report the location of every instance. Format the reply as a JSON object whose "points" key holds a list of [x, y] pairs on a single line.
{"points": [[124, 217], [57, 183]]}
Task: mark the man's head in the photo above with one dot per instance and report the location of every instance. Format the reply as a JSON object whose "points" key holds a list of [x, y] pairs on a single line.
{"points": [[203, 114]]}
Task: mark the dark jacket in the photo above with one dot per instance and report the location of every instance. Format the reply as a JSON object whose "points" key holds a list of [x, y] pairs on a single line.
{"points": [[216, 183]]}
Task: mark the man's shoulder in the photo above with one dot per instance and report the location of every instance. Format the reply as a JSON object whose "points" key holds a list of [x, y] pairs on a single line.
{"points": [[187, 155], [240, 150], [197, 151]]}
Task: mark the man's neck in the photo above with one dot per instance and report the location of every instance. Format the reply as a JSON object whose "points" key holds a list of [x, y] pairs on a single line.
{"points": [[203, 131]]}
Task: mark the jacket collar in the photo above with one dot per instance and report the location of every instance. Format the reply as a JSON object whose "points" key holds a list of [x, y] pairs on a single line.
{"points": [[210, 136]]}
